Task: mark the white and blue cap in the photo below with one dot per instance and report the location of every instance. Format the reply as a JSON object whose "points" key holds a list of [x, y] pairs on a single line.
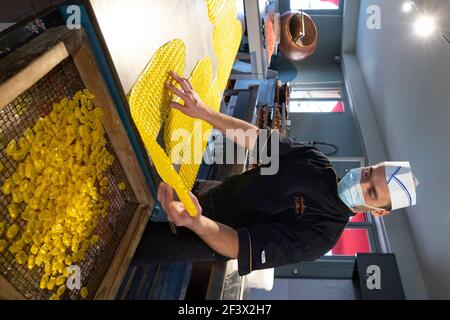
{"points": [[401, 183]]}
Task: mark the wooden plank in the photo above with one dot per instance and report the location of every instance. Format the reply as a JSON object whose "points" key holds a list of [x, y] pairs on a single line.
{"points": [[18, 60], [91, 76], [8, 292], [23, 80], [116, 272]]}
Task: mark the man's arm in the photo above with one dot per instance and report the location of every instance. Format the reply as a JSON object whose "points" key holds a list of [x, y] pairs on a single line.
{"points": [[258, 247], [195, 108], [219, 237]]}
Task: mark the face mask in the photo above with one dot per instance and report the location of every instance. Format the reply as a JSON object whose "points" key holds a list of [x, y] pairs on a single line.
{"points": [[350, 192], [349, 189]]}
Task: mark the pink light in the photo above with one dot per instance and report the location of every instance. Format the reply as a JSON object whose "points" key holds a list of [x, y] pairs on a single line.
{"points": [[339, 106], [335, 2], [352, 241]]}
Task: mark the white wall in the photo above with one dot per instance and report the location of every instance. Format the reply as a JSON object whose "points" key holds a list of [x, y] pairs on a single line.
{"points": [[408, 80], [398, 232], [401, 87]]}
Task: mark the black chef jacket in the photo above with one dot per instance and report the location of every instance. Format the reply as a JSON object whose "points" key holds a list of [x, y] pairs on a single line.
{"points": [[292, 216]]}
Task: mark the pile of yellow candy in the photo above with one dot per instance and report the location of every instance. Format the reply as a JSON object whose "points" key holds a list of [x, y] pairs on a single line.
{"points": [[56, 190]]}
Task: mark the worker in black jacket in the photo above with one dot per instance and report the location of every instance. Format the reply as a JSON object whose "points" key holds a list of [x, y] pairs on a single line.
{"points": [[294, 215]]}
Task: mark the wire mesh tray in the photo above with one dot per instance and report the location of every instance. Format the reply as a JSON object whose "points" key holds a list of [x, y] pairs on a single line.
{"points": [[120, 229]]}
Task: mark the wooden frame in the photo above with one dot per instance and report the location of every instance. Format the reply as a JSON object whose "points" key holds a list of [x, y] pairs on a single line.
{"points": [[23, 69]]}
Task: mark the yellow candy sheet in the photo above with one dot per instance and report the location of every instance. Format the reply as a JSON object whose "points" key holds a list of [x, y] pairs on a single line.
{"points": [[201, 82], [149, 100]]}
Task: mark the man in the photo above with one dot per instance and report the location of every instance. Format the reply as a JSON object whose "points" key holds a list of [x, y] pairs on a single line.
{"points": [[266, 221]]}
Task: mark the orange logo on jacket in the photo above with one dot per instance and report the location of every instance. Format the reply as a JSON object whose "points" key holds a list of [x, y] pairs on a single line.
{"points": [[299, 204]]}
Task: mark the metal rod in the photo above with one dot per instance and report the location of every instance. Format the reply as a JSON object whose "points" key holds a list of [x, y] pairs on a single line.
{"points": [[303, 26]]}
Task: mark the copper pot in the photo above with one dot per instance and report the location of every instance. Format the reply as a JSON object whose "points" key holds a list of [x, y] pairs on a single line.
{"points": [[293, 45]]}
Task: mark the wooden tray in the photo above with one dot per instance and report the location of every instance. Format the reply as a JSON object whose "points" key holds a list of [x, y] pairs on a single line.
{"points": [[19, 72]]}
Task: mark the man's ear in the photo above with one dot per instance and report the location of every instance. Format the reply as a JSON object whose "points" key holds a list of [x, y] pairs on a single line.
{"points": [[380, 213]]}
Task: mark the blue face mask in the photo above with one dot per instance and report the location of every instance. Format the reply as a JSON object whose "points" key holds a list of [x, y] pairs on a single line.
{"points": [[349, 189]]}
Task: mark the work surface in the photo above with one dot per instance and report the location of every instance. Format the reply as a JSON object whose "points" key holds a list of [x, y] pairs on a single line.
{"points": [[135, 29]]}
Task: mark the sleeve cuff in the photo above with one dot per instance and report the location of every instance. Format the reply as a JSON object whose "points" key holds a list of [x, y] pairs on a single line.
{"points": [[245, 252]]}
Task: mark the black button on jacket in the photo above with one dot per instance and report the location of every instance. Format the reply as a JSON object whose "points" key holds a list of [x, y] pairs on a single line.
{"points": [[292, 216]]}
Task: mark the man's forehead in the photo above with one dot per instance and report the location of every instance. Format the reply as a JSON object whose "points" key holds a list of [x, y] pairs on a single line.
{"points": [[378, 165]]}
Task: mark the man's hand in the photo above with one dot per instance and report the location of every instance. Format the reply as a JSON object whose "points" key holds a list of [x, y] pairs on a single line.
{"points": [[175, 210], [219, 237], [195, 108], [193, 105]]}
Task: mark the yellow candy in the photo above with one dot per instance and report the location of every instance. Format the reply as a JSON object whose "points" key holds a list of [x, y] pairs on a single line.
{"points": [[21, 257], [68, 261], [104, 190], [60, 280], [29, 170], [37, 238], [16, 246], [38, 261], [104, 181], [3, 245], [31, 262], [29, 136], [84, 292], [11, 148], [51, 283], [27, 237], [60, 258], [17, 196], [54, 297], [33, 203], [12, 231], [7, 186], [21, 170], [67, 239], [122, 186], [43, 282], [61, 290], [34, 249], [48, 269], [13, 210]]}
